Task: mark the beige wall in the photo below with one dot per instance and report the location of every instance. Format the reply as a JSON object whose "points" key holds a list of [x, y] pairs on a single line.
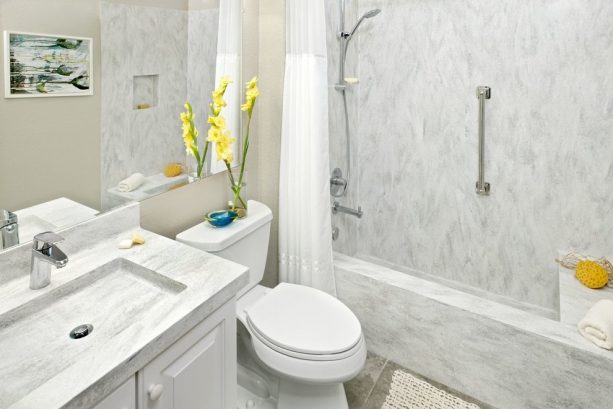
{"points": [[271, 72], [180, 209], [50, 147]]}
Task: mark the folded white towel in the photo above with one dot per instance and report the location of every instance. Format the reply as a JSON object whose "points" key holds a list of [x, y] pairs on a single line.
{"points": [[131, 183], [597, 325]]}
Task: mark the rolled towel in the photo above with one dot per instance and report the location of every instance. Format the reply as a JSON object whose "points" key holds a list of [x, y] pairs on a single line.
{"points": [[597, 325], [131, 183]]}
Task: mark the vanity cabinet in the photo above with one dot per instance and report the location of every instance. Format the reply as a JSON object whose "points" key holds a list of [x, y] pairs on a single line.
{"points": [[196, 372], [123, 397]]}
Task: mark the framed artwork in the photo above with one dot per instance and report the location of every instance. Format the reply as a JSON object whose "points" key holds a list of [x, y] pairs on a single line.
{"points": [[47, 65]]}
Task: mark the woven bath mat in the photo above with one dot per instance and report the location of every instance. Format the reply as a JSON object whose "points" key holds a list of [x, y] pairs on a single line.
{"points": [[408, 392]]}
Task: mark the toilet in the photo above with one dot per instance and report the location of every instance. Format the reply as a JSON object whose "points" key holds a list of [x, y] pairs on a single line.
{"points": [[305, 337]]}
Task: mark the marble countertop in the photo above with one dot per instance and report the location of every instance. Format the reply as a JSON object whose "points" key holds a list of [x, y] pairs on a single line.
{"points": [[82, 378], [54, 214]]}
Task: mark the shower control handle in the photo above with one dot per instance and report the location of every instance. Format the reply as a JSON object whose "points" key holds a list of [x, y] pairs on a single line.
{"points": [[338, 208]]}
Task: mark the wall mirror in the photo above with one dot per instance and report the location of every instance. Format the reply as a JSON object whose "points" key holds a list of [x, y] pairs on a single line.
{"points": [[93, 91]]}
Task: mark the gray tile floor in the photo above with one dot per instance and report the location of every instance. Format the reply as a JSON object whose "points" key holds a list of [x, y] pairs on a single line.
{"points": [[369, 389]]}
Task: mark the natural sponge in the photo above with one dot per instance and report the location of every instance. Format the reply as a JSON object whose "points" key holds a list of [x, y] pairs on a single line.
{"points": [[590, 274], [172, 170]]}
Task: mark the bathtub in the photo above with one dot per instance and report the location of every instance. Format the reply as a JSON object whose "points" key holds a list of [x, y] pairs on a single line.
{"points": [[507, 357]]}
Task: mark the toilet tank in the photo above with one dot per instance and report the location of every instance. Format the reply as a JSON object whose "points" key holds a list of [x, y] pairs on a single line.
{"points": [[245, 241]]}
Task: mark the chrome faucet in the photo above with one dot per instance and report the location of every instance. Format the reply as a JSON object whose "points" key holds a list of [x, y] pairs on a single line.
{"points": [[44, 256], [9, 229]]}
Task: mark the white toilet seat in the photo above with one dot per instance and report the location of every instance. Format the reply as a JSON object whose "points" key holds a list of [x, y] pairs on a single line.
{"points": [[300, 355], [304, 322], [335, 354], [311, 371]]}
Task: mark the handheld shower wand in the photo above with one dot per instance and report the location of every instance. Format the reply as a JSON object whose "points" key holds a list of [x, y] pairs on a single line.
{"points": [[338, 183], [368, 14], [345, 37]]}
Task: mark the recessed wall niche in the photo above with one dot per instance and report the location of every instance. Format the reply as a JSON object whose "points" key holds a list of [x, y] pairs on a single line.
{"points": [[145, 92]]}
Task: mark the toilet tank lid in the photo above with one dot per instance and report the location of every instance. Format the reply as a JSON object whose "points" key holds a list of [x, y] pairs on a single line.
{"points": [[213, 239]]}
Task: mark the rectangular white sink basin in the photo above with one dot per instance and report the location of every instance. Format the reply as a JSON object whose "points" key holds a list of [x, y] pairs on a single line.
{"points": [[34, 338]]}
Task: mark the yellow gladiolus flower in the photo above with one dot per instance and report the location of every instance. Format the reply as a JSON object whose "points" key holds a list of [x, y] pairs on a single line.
{"points": [[217, 121], [218, 100], [224, 82], [253, 82], [190, 133], [190, 138], [251, 94], [223, 146], [214, 134]]}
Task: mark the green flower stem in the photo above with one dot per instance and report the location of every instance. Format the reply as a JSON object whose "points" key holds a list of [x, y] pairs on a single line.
{"points": [[245, 150], [202, 159], [235, 188]]}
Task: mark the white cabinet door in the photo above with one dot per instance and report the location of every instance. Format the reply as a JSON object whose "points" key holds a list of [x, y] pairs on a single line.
{"points": [[199, 370], [123, 397]]}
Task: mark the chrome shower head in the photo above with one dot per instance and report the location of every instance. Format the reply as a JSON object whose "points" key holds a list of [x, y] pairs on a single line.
{"points": [[372, 13], [368, 14]]}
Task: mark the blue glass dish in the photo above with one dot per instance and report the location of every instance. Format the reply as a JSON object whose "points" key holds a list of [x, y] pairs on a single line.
{"points": [[221, 218]]}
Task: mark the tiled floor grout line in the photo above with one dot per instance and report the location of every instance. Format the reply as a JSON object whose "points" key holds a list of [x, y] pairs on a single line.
{"points": [[372, 388]]}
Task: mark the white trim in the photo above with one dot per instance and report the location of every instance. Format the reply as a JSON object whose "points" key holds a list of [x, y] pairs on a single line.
{"points": [[7, 72]]}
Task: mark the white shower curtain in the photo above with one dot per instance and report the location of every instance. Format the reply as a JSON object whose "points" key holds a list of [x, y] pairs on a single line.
{"points": [[228, 63], [305, 236]]}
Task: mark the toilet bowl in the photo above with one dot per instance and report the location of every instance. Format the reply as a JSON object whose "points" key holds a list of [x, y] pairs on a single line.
{"points": [[307, 338]]}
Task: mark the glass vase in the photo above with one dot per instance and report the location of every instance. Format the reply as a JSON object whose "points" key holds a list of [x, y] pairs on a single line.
{"points": [[237, 194], [194, 173]]}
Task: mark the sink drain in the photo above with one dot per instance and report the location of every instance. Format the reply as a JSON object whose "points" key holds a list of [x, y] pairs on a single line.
{"points": [[81, 331]]}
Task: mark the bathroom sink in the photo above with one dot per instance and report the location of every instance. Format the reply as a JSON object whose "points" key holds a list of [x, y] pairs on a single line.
{"points": [[34, 337], [31, 225]]}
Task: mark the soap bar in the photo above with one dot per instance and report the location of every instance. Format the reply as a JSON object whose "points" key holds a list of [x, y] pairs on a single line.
{"points": [[138, 239], [125, 244]]}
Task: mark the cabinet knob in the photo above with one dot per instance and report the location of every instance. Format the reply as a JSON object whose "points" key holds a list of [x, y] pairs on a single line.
{"points": [[155, 391]]}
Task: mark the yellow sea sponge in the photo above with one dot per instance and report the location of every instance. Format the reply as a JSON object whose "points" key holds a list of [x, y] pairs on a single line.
{"points": [[172, 170], [591, 275]]}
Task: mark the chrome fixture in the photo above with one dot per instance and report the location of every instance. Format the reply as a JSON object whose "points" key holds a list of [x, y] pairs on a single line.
{"points": [[345, 37], [81, 331], [338, 184], [335, 233], [9, 229], [45, 254], [483, 93], [338, 208]]}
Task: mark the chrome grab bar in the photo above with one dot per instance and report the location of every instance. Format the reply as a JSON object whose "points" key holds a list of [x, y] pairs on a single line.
{"points": [[338, 208], [483, 93]]}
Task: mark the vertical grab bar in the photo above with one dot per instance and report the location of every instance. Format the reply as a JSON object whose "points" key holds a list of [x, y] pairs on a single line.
{"points": [[483, 93]]}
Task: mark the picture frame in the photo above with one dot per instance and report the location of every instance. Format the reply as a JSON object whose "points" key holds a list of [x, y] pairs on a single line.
{"points": [[38, 65]]}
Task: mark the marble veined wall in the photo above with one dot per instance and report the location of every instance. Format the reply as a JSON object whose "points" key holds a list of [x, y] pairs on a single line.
{"points": [[178, 47], [202, 52], [549, 139], [348, 226], [140, 41]]}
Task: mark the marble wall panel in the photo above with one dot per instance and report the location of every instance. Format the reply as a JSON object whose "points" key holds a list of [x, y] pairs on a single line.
{"points": [[141, 41], [549, 144], [201, 56]]}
